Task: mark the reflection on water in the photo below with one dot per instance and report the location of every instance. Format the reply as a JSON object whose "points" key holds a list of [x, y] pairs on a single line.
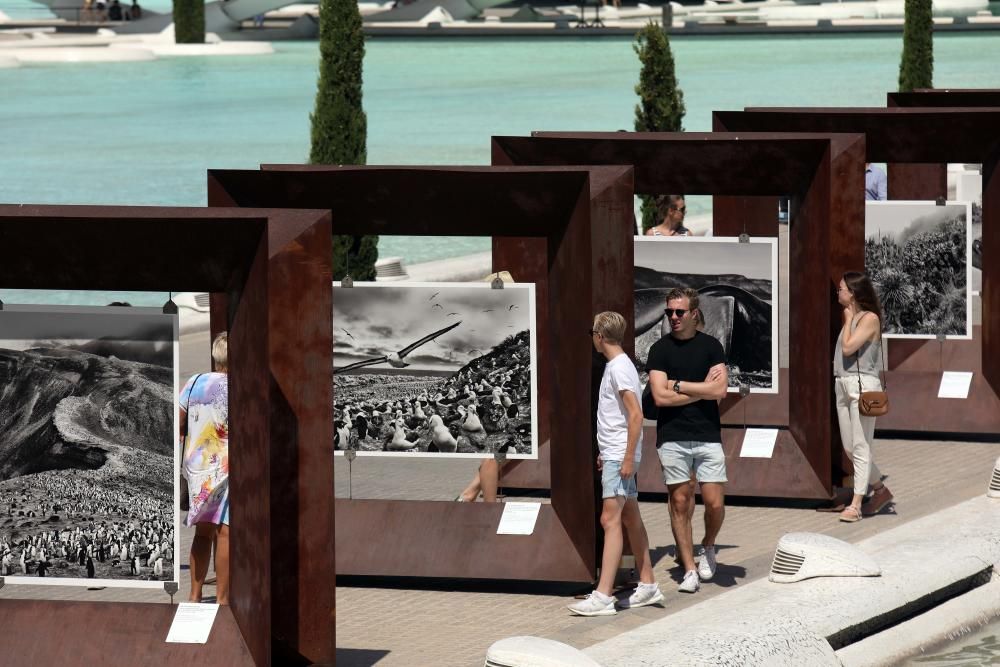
{"points": [[978, 649]]}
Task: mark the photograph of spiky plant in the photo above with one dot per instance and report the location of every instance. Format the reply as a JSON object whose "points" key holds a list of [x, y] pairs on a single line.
{"points": [[969, 187], [918, 255]]}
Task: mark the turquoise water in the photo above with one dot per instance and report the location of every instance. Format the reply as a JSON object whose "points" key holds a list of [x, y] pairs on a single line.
{"points": [[144, 133], [980, 648]]}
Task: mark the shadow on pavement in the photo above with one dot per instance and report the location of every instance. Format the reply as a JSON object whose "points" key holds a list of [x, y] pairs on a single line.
{"points": [[359, 657]]}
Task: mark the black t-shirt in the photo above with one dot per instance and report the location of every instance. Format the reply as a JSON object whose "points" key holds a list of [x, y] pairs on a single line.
{"points": [[687, 360]]}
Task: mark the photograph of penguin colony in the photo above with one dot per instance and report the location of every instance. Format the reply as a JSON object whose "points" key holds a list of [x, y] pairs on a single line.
{"points": [[87, 446], [427, 369]]}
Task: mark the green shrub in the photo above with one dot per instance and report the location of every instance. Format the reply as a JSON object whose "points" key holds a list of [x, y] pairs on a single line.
{"points": [[661, 101], [922, 282], [189, 21], [916, 66], [339, 123]]}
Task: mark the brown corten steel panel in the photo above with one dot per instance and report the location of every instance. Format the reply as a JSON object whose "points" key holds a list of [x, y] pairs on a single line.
{"points": [[757, 216], [433, 530], [916, 181], [917, 135], [928, 135], [541, 221], [510, 208], [611, 224], [245, 254], [946, 97], [816, 170], [44, 632], [690, 162]]}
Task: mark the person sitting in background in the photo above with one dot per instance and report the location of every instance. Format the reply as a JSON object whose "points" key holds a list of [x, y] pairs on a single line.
{"points": [[115, 11], [670, 210], [134, 12]]}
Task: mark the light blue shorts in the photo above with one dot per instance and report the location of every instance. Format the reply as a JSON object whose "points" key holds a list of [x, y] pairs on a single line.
{"points": [[706, 459], [612, 483]]}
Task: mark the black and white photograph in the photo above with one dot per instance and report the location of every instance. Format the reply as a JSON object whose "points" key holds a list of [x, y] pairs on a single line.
{"points": [[435, 369], [737, 286], [88, 446], [969, 187], [919, 257]]}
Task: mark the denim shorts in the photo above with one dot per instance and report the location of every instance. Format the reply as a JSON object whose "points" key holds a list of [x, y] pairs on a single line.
{"points": [[612, 483], [679, 459]]}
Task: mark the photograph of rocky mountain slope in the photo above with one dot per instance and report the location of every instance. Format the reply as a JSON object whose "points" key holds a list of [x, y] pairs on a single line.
{"points": [[87, 446], [435, 369], [737, 285], [920, 259]]}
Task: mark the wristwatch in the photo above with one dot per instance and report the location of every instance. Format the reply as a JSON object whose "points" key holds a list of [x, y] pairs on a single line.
{"points": [[677, 386]]}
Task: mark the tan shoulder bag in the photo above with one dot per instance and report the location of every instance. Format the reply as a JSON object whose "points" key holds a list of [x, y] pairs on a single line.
{"points": [[872, 403]]}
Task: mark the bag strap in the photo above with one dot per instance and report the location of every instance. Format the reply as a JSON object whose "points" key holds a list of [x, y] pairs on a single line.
{"points": [[857, 359], [187, 416]]}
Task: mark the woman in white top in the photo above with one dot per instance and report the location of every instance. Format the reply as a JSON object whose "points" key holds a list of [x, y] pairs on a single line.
{"points": [[670, 210], [856, 366]]}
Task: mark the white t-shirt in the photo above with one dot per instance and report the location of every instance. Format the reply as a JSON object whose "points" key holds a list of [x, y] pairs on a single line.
{"points": [[612, 417]]}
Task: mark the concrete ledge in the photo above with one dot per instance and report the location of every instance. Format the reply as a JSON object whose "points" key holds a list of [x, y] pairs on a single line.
{"points": [[71, 54], [166, 50], [941, 554], [456, 269], [944, 623]]}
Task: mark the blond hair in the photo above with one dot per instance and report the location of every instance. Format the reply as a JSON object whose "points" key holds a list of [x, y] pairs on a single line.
{"points": [[611, 326], [220, 350]]}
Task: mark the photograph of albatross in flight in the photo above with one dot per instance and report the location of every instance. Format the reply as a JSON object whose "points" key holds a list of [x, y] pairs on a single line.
{"points": [[434, 369], [396, 358]]}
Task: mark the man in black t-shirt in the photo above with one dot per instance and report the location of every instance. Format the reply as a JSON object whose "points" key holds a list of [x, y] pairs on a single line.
{"points": [[687, 377]]}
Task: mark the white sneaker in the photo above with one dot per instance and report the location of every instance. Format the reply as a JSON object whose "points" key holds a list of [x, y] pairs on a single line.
{"points": [[643, 595], [691, 582], [707, 564], [595, 604]]}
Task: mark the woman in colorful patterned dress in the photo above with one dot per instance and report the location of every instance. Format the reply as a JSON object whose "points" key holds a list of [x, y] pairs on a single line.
{"points": [[204, 405]]}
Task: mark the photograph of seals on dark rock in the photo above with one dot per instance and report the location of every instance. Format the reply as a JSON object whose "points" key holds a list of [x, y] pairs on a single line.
{"points": [[737, 288]]}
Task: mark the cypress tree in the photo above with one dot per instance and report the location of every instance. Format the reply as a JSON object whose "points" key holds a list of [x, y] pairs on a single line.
{"points": [[339, 124], [916, 67], [661, 101], [189, 21]]}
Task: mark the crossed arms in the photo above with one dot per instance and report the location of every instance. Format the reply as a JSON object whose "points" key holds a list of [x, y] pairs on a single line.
{"points": [[712, 388]]}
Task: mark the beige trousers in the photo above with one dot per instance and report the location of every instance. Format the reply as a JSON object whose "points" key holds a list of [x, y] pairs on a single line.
{"points": [[857, 433]]}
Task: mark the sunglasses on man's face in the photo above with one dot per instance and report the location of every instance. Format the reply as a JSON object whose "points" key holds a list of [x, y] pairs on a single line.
{"points": [[682, 209], [670, 312]]}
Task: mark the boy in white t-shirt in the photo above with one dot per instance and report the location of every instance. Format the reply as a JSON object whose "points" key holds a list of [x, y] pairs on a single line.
{"points": [[619, 439]]}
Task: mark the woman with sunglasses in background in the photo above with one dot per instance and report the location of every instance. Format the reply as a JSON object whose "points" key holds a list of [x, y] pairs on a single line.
{"points": [[856, 361], [671, 210]]}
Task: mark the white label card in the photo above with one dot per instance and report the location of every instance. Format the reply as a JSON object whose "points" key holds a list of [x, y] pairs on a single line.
{"points": [[955, 384], [518, 518], [192, 623], [759, 443]]}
